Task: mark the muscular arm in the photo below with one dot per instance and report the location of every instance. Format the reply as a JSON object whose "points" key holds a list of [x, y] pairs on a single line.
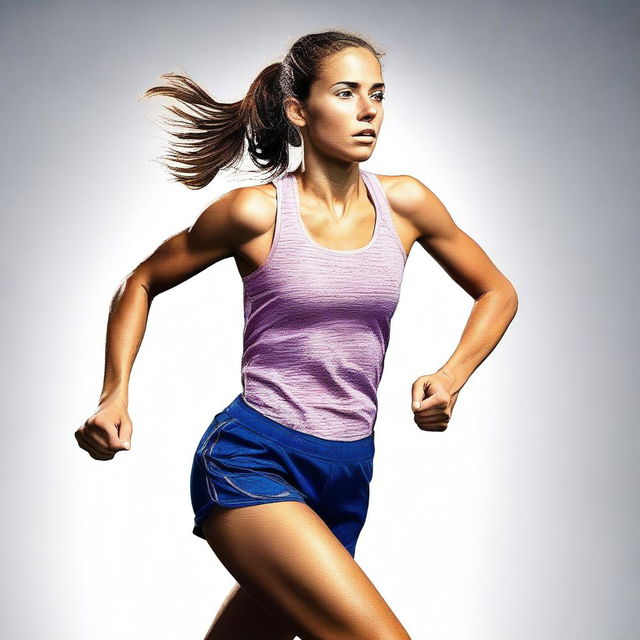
{"points": [[221, 227], [496, 301]]}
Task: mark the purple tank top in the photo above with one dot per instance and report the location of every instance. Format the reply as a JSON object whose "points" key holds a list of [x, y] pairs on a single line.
{"points": [[317, 322]]}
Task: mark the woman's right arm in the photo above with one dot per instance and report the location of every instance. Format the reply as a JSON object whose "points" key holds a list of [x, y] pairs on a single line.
{"points": [[222, 226]]}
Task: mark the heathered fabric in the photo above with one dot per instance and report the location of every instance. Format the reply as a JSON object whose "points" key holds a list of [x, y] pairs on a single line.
{"points": [[317, 322]]}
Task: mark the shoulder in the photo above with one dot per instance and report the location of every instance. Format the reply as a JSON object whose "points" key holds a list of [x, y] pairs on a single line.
{"points": [[250, 211], [237, 216], [253, 208], [415, 202], [405, 192]]}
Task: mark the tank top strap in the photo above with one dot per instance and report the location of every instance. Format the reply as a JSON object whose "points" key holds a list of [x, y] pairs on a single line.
{"points": [[286, 187], [290, 227], [388, 228], [285, 209], [380, 198]]}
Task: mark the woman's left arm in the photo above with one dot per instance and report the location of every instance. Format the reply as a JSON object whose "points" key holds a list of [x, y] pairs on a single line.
{"points": [[496, 300]]}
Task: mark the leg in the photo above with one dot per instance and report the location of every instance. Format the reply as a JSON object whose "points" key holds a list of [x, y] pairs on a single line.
{"points": [[286, 557], [241, 618]]}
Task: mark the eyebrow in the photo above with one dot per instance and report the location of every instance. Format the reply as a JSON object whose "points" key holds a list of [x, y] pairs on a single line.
{"points": [[356, 85]]}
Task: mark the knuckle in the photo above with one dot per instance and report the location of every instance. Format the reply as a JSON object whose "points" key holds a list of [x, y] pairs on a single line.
{"points": [[100, 427], [90, 422]]}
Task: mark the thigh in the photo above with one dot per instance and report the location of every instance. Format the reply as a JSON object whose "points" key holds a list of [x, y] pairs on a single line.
{"points": [[241, 617], [287, 558]]}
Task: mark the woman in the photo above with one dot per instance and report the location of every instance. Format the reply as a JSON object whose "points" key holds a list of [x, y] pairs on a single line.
{"points": [[280, 479]]}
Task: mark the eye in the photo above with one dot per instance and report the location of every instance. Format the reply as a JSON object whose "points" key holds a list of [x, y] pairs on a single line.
{"points": [[380, 95]]}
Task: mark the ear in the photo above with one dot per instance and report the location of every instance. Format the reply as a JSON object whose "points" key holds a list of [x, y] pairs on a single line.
{"points": [[295, 112]]}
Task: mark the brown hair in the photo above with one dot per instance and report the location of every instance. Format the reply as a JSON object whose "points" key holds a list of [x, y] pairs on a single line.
{"points": [[216, 131]]}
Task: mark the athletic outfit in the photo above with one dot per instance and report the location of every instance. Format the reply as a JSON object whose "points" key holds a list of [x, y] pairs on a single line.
{"points": [[316, 331]]}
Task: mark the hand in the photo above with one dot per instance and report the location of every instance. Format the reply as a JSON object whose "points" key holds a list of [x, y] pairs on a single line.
{"points": [[107, 431], [436, 402]]}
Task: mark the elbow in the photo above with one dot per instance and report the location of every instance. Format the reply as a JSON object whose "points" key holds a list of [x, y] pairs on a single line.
{"points": [[506, 294], [511, 296], [147, 288], [137, 279]]}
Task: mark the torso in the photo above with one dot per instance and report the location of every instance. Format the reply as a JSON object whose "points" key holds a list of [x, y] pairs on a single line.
{"points": [[337, 235]]}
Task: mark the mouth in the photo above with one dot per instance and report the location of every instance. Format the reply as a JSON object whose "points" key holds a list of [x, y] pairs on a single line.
{"points": [[365, 133], [367, 136]]}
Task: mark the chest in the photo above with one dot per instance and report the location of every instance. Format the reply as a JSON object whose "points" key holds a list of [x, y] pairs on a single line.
{"points": [[311, 284]]}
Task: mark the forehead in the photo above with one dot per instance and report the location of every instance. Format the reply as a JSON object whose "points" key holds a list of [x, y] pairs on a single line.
{"points": [[355, 64]]}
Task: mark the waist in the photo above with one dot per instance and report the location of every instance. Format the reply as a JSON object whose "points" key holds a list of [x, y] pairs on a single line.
{"points": [[250, 417]]}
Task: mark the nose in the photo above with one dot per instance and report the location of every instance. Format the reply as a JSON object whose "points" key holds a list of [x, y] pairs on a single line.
{"points": [[370, 109]]}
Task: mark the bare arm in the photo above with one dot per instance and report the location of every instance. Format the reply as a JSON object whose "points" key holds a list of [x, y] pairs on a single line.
{"points": [[213, 237], [496, 301], [495, 298], [174, 261]]}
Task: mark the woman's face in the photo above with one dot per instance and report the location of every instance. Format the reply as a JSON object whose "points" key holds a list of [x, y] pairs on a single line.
{"points": [[345, 99]]}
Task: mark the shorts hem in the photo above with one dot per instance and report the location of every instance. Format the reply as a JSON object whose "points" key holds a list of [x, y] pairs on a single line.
{"points": [[205, 512]]}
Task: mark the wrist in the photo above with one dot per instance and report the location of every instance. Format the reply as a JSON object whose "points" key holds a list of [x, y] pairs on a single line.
{"points": [[457, 378], [118, 395]]}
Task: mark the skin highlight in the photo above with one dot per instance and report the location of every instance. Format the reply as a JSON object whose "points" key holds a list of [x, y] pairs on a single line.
{"points": [[299, 576], [332, 114]]}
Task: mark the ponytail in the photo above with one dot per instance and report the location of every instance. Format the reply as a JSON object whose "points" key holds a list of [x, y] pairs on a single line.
{"points": [[215, 132]]}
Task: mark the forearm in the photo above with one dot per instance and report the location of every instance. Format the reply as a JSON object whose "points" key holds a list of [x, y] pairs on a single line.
{"points": [[491, 315], [126, 325]]}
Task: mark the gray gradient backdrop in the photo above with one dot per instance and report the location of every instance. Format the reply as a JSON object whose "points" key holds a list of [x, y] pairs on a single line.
{"points": [[522, 519]]}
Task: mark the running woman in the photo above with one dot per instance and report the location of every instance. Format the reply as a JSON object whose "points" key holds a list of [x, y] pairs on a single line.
{"points": [[280, 478]]}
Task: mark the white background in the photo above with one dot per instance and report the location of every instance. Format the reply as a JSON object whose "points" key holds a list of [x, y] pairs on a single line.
{"points": [[522, 519]]}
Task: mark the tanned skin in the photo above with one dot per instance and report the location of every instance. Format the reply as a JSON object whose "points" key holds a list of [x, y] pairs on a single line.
{"points": [[293, 575]]}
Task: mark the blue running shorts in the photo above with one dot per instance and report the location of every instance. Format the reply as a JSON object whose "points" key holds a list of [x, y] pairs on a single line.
{"points": [[245, 458]]}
